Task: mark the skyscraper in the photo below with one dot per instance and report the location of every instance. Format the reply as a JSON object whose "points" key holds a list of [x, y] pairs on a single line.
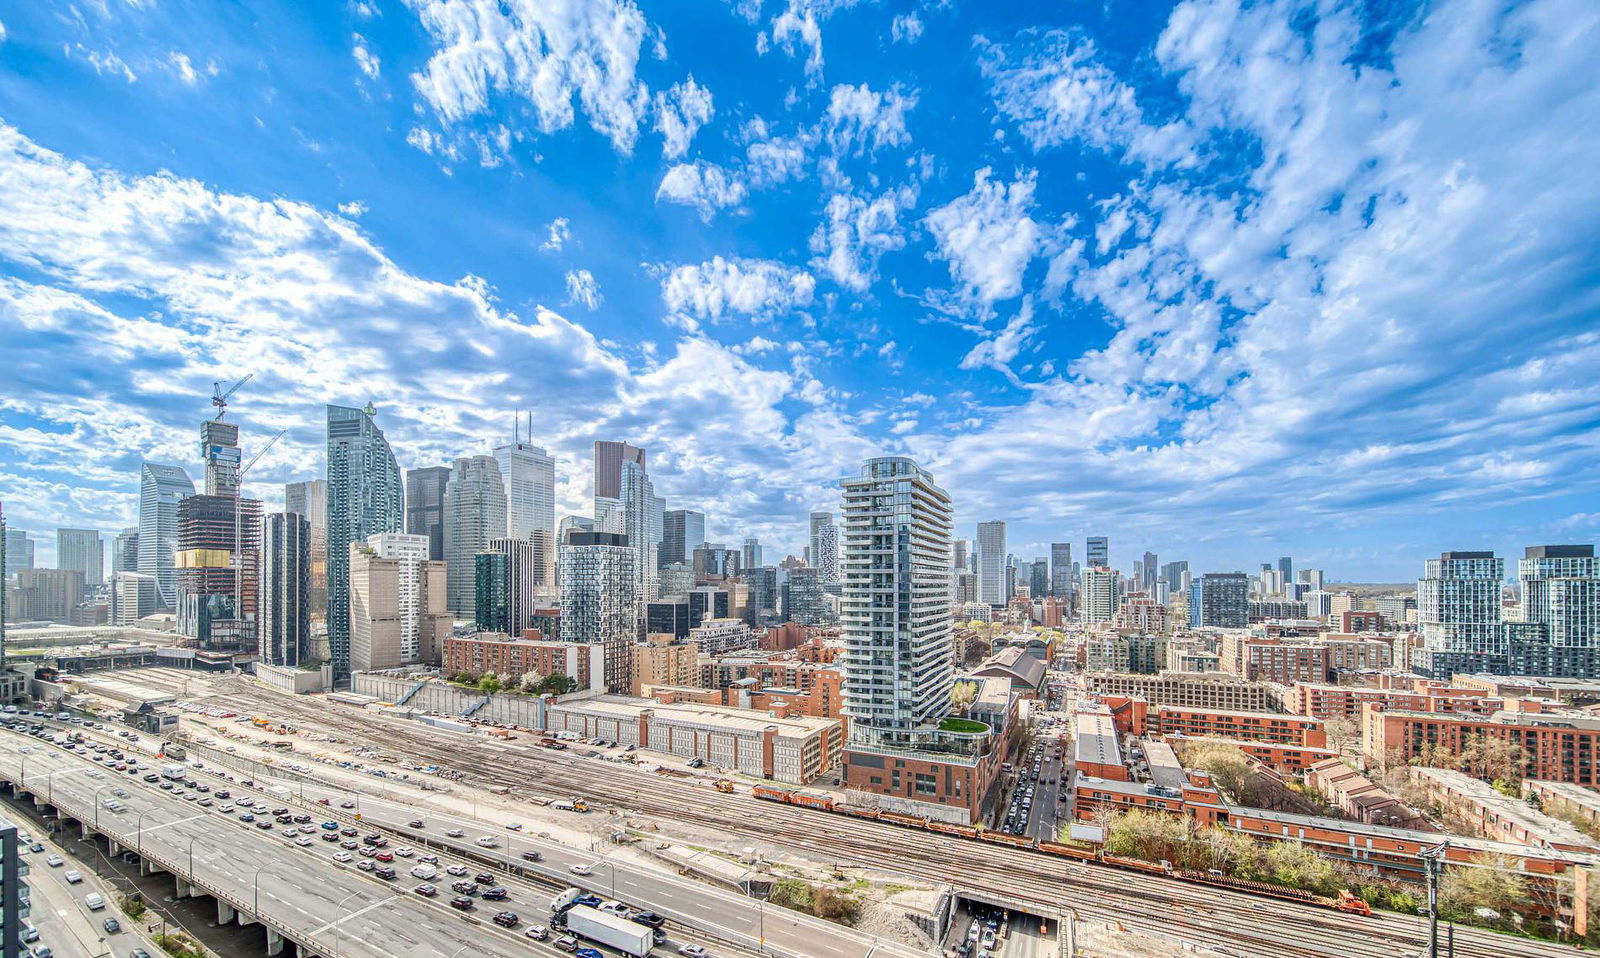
{"points": [[219, 452], [598, 603], [804, 598], [19, 551], [683, 530], [752, 554], [1285, 571], [1561, 591], [529, 476], [641, 524], [82, 549], [125, 551], [365, 498], [1099, 552], [1173, 573], [284, 608], [824, 553], [474, 513], [309, 500], [1099, 593], [504, 593], [1224, 600], [992, 563], [1148, 573], [217, 562], [425, 506], [895, 605], [1039, 578], [161, 488], [762, 604], [397, 602], [1061, 569], [609, 458]]}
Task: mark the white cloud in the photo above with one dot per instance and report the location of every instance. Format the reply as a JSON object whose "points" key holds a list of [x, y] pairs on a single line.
{"points": [[1000, 350], [987, 236], [797, 26], [680, 112], [103, 62], [541, 54], [860, 119], [353, 209], [2, 32], [366, 60], [906, 28], [582, 288], [557, 232], [704, 186], [857, 230], [719, 288], [1059, 92]]}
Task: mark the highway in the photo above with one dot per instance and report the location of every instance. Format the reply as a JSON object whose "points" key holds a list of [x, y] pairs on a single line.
{"points": [[725, 915], [1159, 907], [298, 891]]}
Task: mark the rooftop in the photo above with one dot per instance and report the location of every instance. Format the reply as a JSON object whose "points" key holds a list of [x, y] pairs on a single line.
{"points": [[1480, 845]]}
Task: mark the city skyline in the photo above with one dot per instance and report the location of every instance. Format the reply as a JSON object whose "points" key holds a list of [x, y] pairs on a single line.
{"points": [[766, 264]]}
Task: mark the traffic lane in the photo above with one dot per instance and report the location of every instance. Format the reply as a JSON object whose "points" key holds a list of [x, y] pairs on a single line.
{"points": [[172, 827], [1042, 822], [641, 887], [58, 914]]}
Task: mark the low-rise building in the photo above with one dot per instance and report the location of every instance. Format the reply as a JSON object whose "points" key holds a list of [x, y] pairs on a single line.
{"points": [[1217, 690], [1560, 746], [1564, 798], [485, 652], [721, 636], [1025, 672], [1474, 803], [1275, 727], [1345, 701], [1359, 797]]}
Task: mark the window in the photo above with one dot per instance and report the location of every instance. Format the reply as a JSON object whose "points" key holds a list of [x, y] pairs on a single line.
{"points": [[927, 784]]}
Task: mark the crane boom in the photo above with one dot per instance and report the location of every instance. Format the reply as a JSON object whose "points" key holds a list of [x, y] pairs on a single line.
{"points": [[220, 398]]}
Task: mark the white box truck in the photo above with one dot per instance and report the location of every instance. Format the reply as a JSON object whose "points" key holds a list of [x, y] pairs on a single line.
{"points": [[565, 898], [173, 771], [628, 937]]}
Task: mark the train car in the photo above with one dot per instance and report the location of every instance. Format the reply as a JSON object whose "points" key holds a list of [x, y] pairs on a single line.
{"points": [[948, 828], [1015, 841], [906, 821], [1067, 851]]}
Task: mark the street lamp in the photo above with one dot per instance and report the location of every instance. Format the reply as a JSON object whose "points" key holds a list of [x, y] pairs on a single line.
{"points": [[138, 832], [191, 855], [97, 804], [611, 868], [336, 909], [255, 879]]}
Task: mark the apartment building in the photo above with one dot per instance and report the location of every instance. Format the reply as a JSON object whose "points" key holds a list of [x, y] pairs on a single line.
{"points": [[1560, 746], [1475, 803], [1217, 690]]}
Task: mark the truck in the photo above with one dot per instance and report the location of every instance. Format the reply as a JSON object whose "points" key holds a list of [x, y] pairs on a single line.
{"points": [[565, 899], [173, 771], [628, 937], [570, 805]]}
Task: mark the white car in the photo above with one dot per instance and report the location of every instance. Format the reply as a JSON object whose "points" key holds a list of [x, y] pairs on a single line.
{"points": [[693, 951], [581, 869], [73, 877], [457, 870], [342, 856], [304, 841], [488, 841], [456, 833], [404, 851]]}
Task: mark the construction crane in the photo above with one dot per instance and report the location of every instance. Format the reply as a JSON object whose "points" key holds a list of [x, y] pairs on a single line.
{"points": [[220, 398]]}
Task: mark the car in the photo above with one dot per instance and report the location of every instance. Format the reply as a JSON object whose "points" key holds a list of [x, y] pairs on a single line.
{"points": [[291, 833], [487, 841], [111, 925], [456, 869], [138, 953], [384, 856], [566, 943], [342, 856], [461, 903], [649, 918], [304, 841], [73, 876], [515, 826], [617, 908], [347, 804], [54, 861], [369, 850], [225, 809], [495, 894], [537, 932], [43, 951], [224, 793], [365, 864], [581, 869], [246, 817], [456, 833], [405, 851], [426, 890], [350, 844], [384, 872], [36, 847], [414, 823], [483, 878], [693, 951], [507, 919], [588, 953], [331, 826], [30, 935], [465, 887], [152, 777], [532, 856], [329, 837], [307, 830], [302, 819], [348, 832], [264, 824], [428, 859]]}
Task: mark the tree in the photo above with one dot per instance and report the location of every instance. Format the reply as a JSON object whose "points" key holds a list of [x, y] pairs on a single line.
{"points": [[1342, 732], [529, 681], [962, 696], [1493, 759], [1492, 881], [555, 684], [490, 682]]}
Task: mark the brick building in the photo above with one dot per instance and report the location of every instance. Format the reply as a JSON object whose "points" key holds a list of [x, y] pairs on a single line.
{"points": [[1560, 746], [1214, 691], [496, 652]]}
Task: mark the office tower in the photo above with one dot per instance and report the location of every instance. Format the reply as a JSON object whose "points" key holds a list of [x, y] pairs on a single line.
{"points": [[309, 500], [675, 579], [474, 513], [751, 557], [44, 595], [19, 551], [1561, 591], [425, 506], [805, 600], [1099, 552], [82, 549], [761, 608], [824, 547], [161, 488], [365, 498], [992, 563], [608, 516], [1039, 578], [1312, 577], [598, 602], [543, 573], [1099, 594], [708, 602], [1224, 600], [133, 596], [609, 458], [398, 613], [713, 560], [1285, 571], [895, 605], [505, 588], [125, 551], [1174, 574], [640, 512], [683, 530], [1061, 569], [960, 554], [529, 476], [1148, 573], [217, 574], [283, 618]]}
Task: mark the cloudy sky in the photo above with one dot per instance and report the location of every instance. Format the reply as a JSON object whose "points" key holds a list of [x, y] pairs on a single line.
{"points": [[1224, 281]]}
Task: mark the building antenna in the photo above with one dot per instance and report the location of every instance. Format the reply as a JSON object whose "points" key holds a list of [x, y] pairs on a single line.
{"points": [[516, 421]]}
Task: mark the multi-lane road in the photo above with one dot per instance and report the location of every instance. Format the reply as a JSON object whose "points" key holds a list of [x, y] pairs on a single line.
{"points": [[1159, 907]]}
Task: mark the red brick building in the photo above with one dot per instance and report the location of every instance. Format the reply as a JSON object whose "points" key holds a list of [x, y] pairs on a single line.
{"points": [[1561, 747]]}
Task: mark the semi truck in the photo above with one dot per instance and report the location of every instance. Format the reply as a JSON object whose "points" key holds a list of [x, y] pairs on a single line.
{"points": [[628, 937]]}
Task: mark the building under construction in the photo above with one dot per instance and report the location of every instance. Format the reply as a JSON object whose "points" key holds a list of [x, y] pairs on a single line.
{"points": [[216, 601]]}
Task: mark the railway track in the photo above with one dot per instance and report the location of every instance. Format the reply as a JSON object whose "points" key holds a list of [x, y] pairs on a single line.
{"points": [[1147, 904]]}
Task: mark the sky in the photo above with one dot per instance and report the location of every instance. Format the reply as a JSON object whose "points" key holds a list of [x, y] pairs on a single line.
{"points": [[1223, 281]]}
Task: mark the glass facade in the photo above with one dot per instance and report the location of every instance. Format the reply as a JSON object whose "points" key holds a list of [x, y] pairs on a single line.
{"points": [[365, 498]]}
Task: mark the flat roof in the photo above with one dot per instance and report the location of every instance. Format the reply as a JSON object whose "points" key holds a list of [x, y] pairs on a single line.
{"points": [[719, 716], [1513, 809], [1576, 794], [1165, 769], [1095, 741], [1275, 716], [1414, 835]]}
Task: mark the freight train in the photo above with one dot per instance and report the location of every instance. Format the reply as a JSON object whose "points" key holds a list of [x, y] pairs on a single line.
{"points": [[1345, 902]]}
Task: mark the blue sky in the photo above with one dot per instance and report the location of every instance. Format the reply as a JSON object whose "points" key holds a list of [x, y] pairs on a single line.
{"points": [[1225, 281]]}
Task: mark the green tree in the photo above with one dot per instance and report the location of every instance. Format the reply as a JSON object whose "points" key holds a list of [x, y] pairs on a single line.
{"points": [[1491, 882], [490, 682]]}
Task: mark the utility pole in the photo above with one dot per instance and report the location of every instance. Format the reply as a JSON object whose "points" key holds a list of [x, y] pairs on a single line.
{"points": [[1432, 862]]}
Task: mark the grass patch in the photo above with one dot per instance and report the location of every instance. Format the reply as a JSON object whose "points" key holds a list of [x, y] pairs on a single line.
{"points": [[965, 726]]}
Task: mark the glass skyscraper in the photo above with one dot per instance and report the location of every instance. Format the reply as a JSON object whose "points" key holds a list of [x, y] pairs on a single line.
{"points": [[161, 488], [365, 497]]}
